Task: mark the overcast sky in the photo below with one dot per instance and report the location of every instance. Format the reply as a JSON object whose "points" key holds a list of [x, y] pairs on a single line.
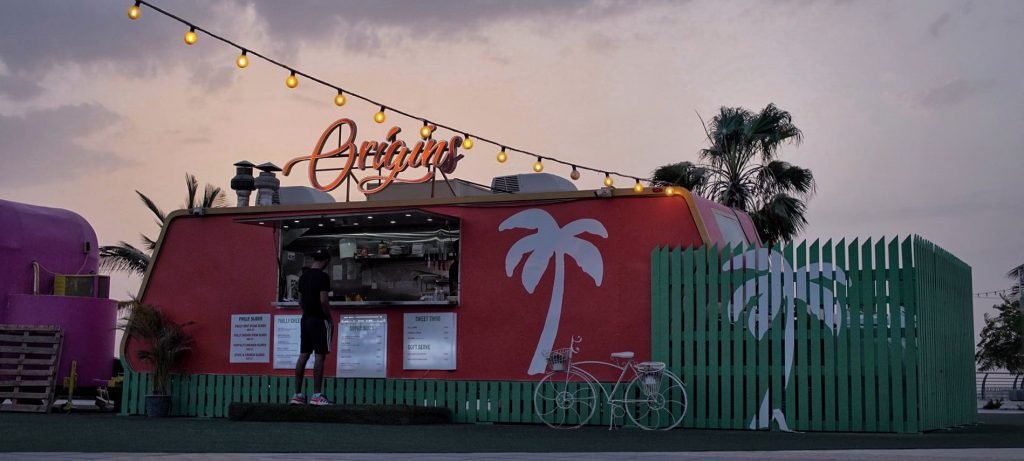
{"points": [[913, 111]]}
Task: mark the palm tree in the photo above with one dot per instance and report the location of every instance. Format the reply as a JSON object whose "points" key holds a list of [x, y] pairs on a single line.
{"points": [[1017, 275], [551, 241], [740, 169], [129, 258], [775, 273]]}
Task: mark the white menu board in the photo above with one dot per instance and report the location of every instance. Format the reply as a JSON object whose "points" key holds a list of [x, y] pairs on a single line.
{"points": [[287, 329], [429, 341], [250, 338], [363, 346]]}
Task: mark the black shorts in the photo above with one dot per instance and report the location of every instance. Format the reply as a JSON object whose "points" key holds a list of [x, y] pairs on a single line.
{"points": [[315, 336]]}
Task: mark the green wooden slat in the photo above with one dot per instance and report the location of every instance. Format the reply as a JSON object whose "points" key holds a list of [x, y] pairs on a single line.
{"points": [[420, 392], [350, 391], [855, 325], [461, 414], [129, 399], [829, 359], [757, 357], [211, 395], [495, 404], [674, 295], [200, 387], [218, 396], [796, 383], [473, 397], [517, 402], [700, 389], [713, 311], [882, 339], [842, 354], [739, 333], [378, 391], [659, 315], [450, 397], [814, 323], [868, 346], [726, 360], [781, 322], [505, 400], [896, 362], [689, 310]]}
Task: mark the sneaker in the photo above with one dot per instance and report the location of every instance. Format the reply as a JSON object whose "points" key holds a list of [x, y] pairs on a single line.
{"points": [[297, 399], [319, 400]]}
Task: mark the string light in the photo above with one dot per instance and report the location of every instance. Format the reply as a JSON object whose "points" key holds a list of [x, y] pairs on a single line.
{"points": [[669, 191], [608, 181], [190, 36], [638, 188], [134, 12], [425, 131]]}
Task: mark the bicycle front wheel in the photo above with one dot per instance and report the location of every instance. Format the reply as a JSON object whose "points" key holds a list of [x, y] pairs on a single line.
{"points": [[564, 399], [656, 402]]}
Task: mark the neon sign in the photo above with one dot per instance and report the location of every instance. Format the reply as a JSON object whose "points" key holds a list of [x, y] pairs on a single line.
{"points": [[389, 157]]}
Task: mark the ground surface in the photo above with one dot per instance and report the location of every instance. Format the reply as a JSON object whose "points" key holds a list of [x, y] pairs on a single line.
{"points": [[111, 433]]}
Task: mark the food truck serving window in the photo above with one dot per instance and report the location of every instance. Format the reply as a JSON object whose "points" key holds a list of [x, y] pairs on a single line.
{"points": [[405, 257]]}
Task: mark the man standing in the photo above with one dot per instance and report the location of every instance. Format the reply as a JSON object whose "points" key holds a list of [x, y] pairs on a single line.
{"points": [[316, 328]]}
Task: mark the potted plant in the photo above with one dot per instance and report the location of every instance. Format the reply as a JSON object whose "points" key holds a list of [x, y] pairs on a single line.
{"points": [[162, 343]]}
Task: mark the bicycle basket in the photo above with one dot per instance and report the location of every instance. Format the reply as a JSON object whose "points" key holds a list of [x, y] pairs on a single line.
{"points": [[649, 374], [559, 359]]}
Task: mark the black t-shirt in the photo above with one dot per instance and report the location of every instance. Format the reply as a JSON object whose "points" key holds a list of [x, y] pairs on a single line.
{"points": [[311, 283]]}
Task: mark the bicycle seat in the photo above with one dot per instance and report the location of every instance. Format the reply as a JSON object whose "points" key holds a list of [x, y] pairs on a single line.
{"points": [[622, 355]]}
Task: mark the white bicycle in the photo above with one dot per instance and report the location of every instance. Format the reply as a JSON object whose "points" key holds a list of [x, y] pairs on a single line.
{"points": [[566, 398]]}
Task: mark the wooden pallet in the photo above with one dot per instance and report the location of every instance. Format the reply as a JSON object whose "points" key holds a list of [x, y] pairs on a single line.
{"points": [[29, 357]]}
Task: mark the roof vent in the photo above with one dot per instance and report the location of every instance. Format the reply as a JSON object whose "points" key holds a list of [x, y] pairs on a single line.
{"points": [[531, 182]]}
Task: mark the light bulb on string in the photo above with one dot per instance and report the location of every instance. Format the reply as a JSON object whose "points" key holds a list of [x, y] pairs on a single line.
{"points": [[134, 12], [467, 143], [339, 99], [243, 61], [538, 167], [379, 116], [190, 36], [502, 156], [608, 181], [425, 131], [575, 174], [292, 81], [638, 188], [669, 191]]}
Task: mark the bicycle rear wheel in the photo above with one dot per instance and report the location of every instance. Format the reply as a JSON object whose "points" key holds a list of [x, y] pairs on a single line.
{"points": [[656, 402], [565, 399]]}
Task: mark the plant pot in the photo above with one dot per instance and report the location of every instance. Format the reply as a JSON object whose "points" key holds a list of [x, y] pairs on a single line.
{"points": [[158, 406]]}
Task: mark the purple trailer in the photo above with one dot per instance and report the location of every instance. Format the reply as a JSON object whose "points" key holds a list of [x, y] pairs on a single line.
{"points": [[48, 276]]}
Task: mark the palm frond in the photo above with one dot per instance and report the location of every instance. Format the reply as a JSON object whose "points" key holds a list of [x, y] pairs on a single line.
{"points": [[682, 174], [781, 218], [783, 177], [161, 217], [192, 185], [213, 196], [123, 257], [148, 243]]}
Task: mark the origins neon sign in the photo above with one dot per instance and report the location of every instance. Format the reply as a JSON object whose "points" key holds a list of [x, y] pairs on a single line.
{"points": [[389, 158]]}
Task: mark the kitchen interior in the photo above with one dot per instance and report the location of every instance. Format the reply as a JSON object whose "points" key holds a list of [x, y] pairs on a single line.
{"points": [[406, 257]]}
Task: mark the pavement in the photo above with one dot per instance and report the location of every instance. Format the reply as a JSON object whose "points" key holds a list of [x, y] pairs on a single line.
{"points": [[997, 436], [995, 454]]}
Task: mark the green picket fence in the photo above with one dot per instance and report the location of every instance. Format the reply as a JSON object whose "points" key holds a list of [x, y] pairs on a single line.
{"points": [[469, 401], [873, 337]]}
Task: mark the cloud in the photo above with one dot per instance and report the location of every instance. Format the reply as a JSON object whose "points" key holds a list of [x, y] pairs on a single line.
{"points": [[42, 148], [18, 89], [953, 93]]}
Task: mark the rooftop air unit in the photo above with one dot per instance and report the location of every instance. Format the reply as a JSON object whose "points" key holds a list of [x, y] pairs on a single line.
{"points": [[531, 182]]}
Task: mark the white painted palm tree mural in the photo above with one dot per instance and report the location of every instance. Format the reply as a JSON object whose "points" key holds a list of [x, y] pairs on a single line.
{"points": [[551, 242], [775, 289]]}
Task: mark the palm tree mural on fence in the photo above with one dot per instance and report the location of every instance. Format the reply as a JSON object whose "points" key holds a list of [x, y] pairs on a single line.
{"points": [[551, 241], [768, 292]]}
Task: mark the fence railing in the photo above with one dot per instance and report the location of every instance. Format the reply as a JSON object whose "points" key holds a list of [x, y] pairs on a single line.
{"points": [[872, 336], [996, 384]]}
